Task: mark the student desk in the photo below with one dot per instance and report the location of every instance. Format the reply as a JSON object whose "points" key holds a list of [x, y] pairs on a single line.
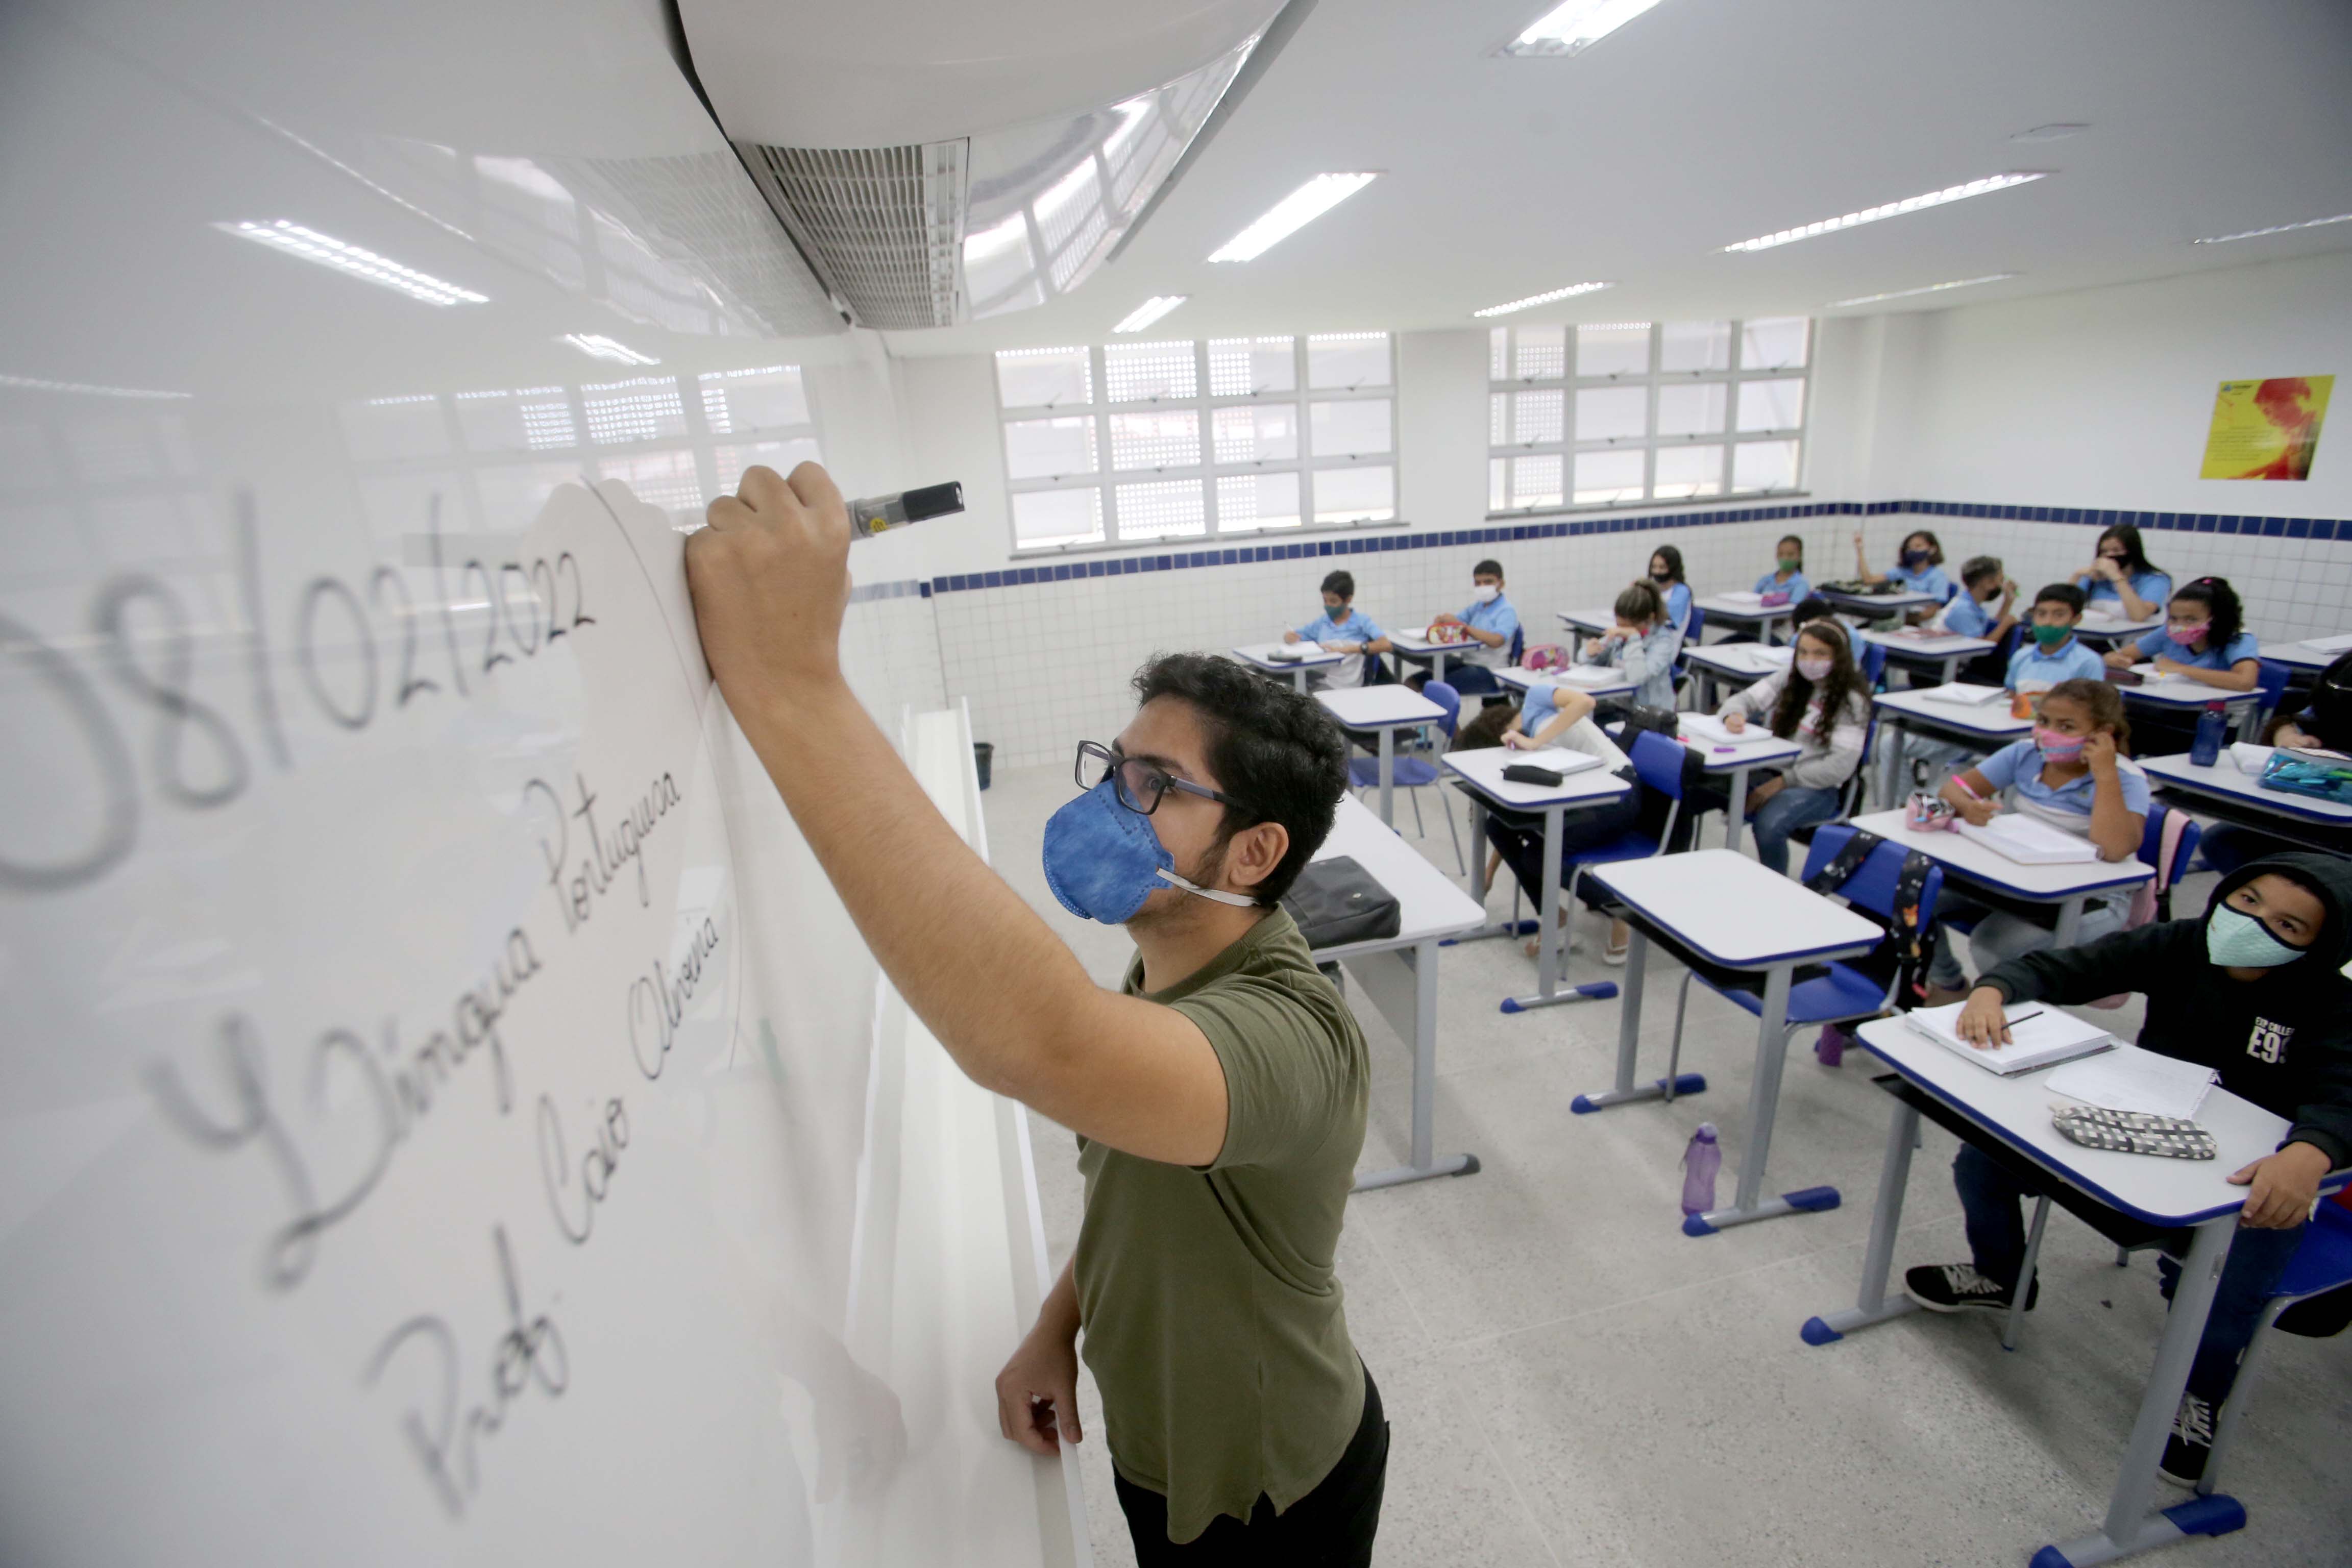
{"points": [[2171, 1193], [1721, 910], [1943, 654], [1988, 727], [1386, 708], [2301, 658], [2096, 626], [2069, 887], [1421, 648], [1590, 623], [1878, 607], [1737, 762], [1479, 774], [1256, 654], [1399, 973], [2174, 694], [1742, 664], [1520, 679], [1761, 619], [2227, 791]]}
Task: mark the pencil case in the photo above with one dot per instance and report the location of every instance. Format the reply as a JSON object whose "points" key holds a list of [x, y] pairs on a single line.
{"points": [[1529, 774], [2299, 772], [2134, 1132]]}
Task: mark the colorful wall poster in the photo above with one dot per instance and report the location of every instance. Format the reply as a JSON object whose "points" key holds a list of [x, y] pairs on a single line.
{"points": [[2266, 429]]}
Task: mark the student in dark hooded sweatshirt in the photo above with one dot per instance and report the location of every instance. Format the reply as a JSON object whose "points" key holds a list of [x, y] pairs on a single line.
{"points": [[2254, 990]]}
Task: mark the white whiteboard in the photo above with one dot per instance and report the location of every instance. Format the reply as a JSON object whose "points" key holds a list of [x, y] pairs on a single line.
{"points": [[444, 1113]]}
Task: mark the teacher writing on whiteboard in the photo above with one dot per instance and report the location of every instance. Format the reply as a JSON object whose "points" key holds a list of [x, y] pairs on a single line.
{"points": [[1218, 1096]]}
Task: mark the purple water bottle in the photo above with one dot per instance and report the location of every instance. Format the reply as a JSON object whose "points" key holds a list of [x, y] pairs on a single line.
{"points": [[1701, 1161], [2206, 749]]}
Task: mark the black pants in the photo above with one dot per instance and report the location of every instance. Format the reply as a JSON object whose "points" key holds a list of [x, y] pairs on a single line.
{"points": [[1330, 1527]]}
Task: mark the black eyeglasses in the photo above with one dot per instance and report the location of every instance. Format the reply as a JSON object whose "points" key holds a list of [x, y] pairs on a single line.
{"points": [[1140, 786]]}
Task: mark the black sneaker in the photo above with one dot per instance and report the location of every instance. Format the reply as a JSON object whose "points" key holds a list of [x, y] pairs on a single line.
{"points": [[2191, 1445], [1957, 1287]]}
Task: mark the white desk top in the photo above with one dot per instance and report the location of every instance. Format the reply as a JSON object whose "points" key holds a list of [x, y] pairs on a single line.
{"points": [[1979, 863], [2299, 655], [1741, 660], [2145, 1186], [1991, 721], [1380, 707], [2095, 624], [1734, 912], [1415, 641], [2225, 777], [1715, 757], [1430, 905], [1940, 647], [1598, 620], [1482, 770], [1744, 609], [1520, 679], [1898, 601], [2180, 691], [1255, 653]]}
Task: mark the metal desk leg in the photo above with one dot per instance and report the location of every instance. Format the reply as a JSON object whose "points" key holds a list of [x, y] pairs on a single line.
{"points": [[1735, 817], [1549, 993], [1763, 1103], [1871, 1306], [1890, 759], [2130, 1526], [1437, 664], [1629, 1041], [1388, 775], [1298, 678], [1381, 976], [2070, 920]]}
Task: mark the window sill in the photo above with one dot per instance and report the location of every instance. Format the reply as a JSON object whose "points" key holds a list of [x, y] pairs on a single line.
{"points": [[1700, 503], [1231, 539]]}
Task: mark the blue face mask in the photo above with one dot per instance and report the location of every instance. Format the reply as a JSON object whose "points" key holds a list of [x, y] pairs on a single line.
{"points": [[2236, 940], [1103, 860]]}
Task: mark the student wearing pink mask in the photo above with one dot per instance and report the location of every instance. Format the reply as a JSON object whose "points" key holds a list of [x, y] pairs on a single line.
{"points": [[2071, 774], [2204, 638]]}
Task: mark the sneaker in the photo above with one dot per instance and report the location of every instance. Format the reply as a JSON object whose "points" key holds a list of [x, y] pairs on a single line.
{"points": [[2191, 1445], [1958, 1287], [1830, 1049]]}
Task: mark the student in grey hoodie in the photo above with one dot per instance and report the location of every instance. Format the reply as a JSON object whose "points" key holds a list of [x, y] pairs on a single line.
{"points": [[2254, 991]]}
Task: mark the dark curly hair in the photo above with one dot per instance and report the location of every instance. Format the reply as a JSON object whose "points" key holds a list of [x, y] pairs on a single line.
{"points": [[1839, 688], [2220, 602], [1276, 750]]}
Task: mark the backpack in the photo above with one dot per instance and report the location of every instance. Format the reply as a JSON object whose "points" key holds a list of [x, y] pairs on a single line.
{"points": [[1906, 958], [1545, 656]]}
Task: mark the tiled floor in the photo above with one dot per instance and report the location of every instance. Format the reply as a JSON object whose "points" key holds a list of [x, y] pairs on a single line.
{"points": [[1570, 1380]]}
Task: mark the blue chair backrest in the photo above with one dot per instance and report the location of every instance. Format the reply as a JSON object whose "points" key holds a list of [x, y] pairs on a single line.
{"points": [[2151, 844], [1445, 697], [1518, 645], [1659, 762], [1872, 886], [2269, 680], [2009, 643], [1697, 625], [1873, 658]]}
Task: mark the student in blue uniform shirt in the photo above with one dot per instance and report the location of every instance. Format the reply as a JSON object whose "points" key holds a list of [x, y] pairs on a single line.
{"points": [[1674, 589], [1986, 604], [2203, 639], [1491, 624], [1641, 647], [2055, 654], [1341, 628], [1919, 566], [2121, 582], [1788, 575]]}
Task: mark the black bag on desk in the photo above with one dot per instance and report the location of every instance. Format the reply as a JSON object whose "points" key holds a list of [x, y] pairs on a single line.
{"points": [[1337, 902]]}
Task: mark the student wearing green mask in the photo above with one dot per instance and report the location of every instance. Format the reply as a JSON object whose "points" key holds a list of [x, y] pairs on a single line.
{"points": [[2054, 654], [1788, 575], [2253, 990]]}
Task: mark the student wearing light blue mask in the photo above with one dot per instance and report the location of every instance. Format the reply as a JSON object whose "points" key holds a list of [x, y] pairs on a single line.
{"points": [[2253, 990], [1219, 1094]]}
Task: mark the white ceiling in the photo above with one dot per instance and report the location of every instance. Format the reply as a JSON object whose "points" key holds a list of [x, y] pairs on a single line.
{"points": [[1707, 121]]}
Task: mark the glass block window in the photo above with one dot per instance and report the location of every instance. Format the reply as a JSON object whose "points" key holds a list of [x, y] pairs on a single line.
{"points": [[1625, 413], [1175, 440]]}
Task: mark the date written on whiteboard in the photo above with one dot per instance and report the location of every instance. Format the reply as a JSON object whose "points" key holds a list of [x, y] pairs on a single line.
{"points": [[190, 752]]}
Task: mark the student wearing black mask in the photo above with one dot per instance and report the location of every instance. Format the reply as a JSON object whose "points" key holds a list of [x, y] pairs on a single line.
{"points": [[2253, 990]]}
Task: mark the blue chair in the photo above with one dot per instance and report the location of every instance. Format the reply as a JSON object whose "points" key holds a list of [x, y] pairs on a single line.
{"points": [[1690, 640], [1416, 773], [2322, 1263], [2269, 680], [1659, 764], [1840, 993], [1872, 657]]}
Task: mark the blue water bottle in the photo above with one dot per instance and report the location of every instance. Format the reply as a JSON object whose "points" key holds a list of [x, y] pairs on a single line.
{"points": [[2206, 749]]}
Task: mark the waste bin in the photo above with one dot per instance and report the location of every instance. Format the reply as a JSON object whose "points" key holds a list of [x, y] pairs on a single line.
{"points": [[982, 752]]}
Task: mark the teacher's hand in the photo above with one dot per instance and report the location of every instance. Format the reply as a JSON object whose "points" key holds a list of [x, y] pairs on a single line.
{"points": [[769, 577]]}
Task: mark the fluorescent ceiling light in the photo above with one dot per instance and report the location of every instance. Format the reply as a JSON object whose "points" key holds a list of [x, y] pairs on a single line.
{"points": [[597, 345], [1572, 29], [36, 383], [1930, 289], [1535, 300], [1151, 310], [1613, 326], [1983, 187], [1291, 214], [2274, 228], [310, 245]]}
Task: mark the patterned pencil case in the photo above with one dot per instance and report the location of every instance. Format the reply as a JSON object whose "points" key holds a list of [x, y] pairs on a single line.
{"points": [[2133, 1132]]}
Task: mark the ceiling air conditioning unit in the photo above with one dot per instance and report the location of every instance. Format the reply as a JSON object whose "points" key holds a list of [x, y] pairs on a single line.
{"points": [[934, 170]]}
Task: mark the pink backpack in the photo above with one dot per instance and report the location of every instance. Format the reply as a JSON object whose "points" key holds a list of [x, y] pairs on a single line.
{"points": [[1545, 656], [2143, 901]]}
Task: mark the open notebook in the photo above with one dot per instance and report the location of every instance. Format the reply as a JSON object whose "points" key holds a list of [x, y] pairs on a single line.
{"points": [[1708, 728], [1588, 675], [2039, 1035], [2030, 841], [1963, 694]]}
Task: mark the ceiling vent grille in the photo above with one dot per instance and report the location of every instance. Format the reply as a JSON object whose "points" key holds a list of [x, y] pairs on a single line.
{"points": [[882, 225]]}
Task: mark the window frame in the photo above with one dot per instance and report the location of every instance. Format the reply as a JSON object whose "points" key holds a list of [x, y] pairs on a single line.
{"points": [[1105, 478], [1653, 380]]}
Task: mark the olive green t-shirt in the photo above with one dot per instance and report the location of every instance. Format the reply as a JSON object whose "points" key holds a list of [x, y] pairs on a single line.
{"points": [[1213, 1320]]}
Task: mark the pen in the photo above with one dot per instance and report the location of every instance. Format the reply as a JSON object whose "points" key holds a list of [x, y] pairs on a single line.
{"points": [[1718, 751], [876, 514], [2024, 1018]]}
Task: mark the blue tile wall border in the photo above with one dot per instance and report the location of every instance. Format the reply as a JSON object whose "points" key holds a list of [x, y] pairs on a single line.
{"points": [[1573, 528]]}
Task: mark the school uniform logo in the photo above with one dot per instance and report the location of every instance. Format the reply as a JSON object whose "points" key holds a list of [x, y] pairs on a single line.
{"points": [[2268, 1041]]}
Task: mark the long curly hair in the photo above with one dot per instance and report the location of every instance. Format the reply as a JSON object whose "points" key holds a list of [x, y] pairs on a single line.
{"points": [[1840, 686], [2220, 602]]}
